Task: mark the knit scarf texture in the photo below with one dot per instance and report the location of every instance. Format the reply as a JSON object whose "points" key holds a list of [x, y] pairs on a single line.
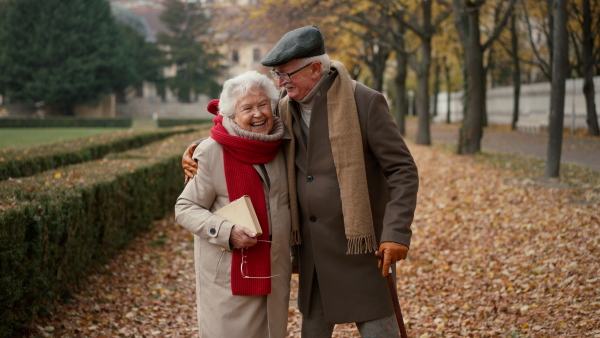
{"points": [[239, 154], [347, 148]]}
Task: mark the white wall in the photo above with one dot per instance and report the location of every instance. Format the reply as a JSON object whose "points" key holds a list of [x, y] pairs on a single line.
{"points": [[534, 105], [151, 105]]}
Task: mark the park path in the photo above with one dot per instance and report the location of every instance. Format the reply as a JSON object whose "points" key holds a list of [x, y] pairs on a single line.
{"points": [[492, 255], [584, 151]]}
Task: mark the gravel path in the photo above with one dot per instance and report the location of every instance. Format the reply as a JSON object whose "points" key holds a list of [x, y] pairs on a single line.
{"points": [[584, 151]]}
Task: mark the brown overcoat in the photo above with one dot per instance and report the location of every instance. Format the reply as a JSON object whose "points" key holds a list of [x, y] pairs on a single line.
{"points": [[351, 286]]}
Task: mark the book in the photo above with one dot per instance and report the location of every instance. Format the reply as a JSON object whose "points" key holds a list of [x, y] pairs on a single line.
{"points": [[241, 212]]}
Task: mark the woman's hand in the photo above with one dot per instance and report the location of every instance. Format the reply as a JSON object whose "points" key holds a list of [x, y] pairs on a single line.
{"points": [[241, 237]]}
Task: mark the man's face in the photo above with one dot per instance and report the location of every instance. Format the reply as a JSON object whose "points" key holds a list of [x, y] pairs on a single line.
{"points": [[302, 82]]}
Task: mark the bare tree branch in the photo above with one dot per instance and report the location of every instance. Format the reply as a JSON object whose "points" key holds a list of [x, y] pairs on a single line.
{"points": [[544, 66], [500, 26]]}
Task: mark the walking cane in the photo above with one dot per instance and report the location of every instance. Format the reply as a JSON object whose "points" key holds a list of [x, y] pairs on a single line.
{"points": [[395, 301]]}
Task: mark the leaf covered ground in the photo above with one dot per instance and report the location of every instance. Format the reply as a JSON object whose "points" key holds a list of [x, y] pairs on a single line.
{"points": [[494, 254]]}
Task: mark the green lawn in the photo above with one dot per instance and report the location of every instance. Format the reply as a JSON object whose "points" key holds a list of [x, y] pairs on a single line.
{"points": [[29, 137]]}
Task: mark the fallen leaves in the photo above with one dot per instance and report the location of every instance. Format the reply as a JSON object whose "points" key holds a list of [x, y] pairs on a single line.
{"points": [[492, 256], [148, 290]]}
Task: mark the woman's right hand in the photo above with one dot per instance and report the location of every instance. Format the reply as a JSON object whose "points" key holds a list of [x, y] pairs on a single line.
{"points": [[241, 237]]}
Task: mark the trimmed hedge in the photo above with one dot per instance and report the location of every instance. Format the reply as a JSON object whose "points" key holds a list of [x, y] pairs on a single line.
{"points": [[57, 226], [61, 122], [180, 122], [26, 162]]}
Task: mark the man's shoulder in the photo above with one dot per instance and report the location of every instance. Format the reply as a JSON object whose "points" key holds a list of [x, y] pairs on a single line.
{"points": [[363, 90]]}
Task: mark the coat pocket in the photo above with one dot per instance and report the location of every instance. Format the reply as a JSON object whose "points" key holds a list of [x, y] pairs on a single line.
{"points": [[223, 268]]}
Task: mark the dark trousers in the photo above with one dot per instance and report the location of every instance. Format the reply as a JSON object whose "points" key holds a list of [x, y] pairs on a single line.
{"points": [[314, 324]]}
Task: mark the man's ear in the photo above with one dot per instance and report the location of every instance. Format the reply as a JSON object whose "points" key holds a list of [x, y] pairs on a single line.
{"points": [[315, 69]]}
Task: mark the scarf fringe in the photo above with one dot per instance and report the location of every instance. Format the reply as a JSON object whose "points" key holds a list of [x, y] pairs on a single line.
{"points": [[361, 245], [295, 238]]}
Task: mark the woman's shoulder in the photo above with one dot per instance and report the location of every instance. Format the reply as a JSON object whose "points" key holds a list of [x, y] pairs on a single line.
{"points": [[208, 148]]}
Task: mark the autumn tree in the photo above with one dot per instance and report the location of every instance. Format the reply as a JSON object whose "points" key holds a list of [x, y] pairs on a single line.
{"points": [[2, 11], [557, 96], [539, 18], [190, 50], [400, 99], [396, 18], [355, 44], [511, 44], [516, 69], [586, 57], [374, 53], [424, 24], [360, 20], [466, 18], [64, 53]]}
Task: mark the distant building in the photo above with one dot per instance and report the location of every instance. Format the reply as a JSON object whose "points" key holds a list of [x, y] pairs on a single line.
{"points": [[241, 46]]}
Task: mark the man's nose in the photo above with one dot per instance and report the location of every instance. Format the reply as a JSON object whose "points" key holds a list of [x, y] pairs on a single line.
{"points": [[280, 82]]}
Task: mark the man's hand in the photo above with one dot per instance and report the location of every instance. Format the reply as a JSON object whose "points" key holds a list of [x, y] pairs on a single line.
{"points": [[190, 167], [241, 237], [392, 252], [295, 255]]}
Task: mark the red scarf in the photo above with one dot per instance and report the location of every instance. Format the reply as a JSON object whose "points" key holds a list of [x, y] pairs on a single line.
{"points": [[239, 154]]}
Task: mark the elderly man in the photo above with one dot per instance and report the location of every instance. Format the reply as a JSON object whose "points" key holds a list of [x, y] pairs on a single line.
{"points": [[352, 185]]}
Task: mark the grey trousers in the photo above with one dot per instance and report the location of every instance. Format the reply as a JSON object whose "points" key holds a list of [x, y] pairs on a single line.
{"points": [[315, 326]]}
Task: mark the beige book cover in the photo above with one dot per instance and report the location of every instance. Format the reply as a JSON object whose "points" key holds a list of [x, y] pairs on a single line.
{"points": [[241, 212]]}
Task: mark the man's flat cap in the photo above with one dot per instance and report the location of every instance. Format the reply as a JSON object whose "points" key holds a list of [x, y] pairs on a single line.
{"points": [[300, 43]]}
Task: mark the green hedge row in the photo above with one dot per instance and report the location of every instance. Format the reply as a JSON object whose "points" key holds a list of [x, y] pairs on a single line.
{"points": [[62, 122], [180, 122], [26, 162], [57, 226]]}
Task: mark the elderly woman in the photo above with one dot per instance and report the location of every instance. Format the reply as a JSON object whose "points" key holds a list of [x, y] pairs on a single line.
{"points": [[242, 280]]}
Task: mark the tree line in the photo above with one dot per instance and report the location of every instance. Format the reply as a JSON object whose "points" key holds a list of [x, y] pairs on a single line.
{"points": [[67, 53], [51, 53], [471, 43]]}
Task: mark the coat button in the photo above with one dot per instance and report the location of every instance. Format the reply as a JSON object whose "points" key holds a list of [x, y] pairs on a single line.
{"points": [[309, 178], [313, 219], [212, 231]]}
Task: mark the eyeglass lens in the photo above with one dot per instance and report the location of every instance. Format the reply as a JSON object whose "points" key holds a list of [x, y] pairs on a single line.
{"points": [[244, 264], [286, 77]]}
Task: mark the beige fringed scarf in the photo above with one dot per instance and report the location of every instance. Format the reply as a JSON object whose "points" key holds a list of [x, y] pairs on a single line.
{"points": [[346, 145]]}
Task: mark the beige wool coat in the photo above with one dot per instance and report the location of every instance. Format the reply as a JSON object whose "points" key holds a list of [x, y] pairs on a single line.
{"points": [[220, 314], [351, 286]]}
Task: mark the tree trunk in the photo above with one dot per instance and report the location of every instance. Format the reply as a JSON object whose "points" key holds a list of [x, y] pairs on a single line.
{"points": [[401, 101], [448, 89], [377, 56], [436, 87], [472, 128], [465, 98], [588, 70], [516, 74], [423, 134], [557, 97]]}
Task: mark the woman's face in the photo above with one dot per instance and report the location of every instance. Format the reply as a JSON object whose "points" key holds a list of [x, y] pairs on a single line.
{"points": [[253, 112]]}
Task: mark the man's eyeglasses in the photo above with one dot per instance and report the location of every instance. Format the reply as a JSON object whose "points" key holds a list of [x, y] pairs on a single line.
{"points": [[286, 77], [244, 264]]}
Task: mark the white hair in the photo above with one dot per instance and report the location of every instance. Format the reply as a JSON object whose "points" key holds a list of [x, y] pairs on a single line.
{"points": [[241, 85], [323, 59]]}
